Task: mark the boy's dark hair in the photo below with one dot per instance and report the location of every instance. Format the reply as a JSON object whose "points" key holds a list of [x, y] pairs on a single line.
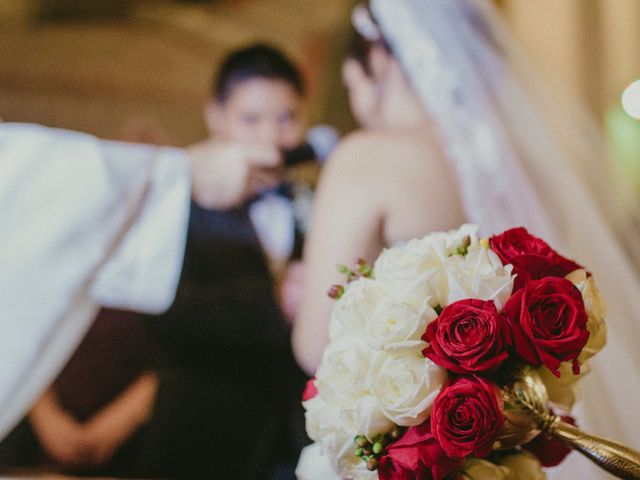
{"points": [[256, 61]]}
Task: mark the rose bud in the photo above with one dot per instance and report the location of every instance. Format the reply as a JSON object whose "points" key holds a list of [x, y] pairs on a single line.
{"points": [[310, 390]]}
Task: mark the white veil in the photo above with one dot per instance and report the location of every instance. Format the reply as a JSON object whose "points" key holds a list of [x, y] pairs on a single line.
{"points": [[523, 158]]}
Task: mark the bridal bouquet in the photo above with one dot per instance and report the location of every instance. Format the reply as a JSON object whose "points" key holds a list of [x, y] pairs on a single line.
{"points": [[423, 345]]}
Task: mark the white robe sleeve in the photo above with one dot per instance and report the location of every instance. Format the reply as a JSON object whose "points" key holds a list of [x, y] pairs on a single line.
{"points": [[83, 223]]}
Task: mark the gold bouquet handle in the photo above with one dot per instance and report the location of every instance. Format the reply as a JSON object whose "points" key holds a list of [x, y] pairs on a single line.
{"points": [[528, 394], [621, 461]]}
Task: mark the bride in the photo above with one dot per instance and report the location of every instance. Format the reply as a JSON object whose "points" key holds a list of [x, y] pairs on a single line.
{"points": [[457, 128]]}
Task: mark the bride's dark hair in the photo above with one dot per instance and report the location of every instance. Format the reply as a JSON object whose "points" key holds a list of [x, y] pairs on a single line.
{"points": [[359, 45]]}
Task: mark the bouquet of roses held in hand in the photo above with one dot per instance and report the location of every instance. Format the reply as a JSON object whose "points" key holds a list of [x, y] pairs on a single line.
{"points": [[421, 345]]}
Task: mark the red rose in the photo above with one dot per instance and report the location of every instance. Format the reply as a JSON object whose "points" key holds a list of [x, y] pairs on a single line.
{"points": [[550, 451], [416, 456], [548, 323], [469, 336], [310, 390], [532, 258], [467, 416]]}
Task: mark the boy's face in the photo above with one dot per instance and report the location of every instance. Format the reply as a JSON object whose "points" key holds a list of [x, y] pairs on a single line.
{"points": [[258, 111]]}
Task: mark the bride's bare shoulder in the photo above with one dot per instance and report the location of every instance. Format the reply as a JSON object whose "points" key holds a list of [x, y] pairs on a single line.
{"points": [[400, 181], [377, 152]]}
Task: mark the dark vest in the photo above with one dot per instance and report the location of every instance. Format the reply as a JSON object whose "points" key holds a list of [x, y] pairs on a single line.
{"points": [[228, 368]]}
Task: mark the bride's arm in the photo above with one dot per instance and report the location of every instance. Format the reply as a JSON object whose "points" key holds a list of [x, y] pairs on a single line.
{"points": [[377, 189], [347, 224]]}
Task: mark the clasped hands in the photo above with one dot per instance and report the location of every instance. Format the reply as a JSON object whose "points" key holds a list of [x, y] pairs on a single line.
{"points": [[91, 444]]}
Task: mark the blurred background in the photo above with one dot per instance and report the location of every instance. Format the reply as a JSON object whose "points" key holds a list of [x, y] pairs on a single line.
{"points": [[140, 69], [118, 68]]}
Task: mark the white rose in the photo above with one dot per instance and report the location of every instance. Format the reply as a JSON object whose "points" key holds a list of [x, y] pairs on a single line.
{"points": [[334, 428], [365, 417], [477, 469], [352, 311], [321, 418], [448, 243], [478, 274], [523, 466], [413, 273], [465, 230], [325, 426], [333, 425], [596, 311], [358, 471], [340, 449], [406, 387], [313, 465], [344, 374], [398, 326]]}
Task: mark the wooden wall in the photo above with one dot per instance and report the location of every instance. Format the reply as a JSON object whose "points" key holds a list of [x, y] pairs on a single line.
{"points": [[148, 74]]}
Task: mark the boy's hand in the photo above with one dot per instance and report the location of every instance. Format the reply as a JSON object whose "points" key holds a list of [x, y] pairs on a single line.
{"points": [[225, 174]]}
